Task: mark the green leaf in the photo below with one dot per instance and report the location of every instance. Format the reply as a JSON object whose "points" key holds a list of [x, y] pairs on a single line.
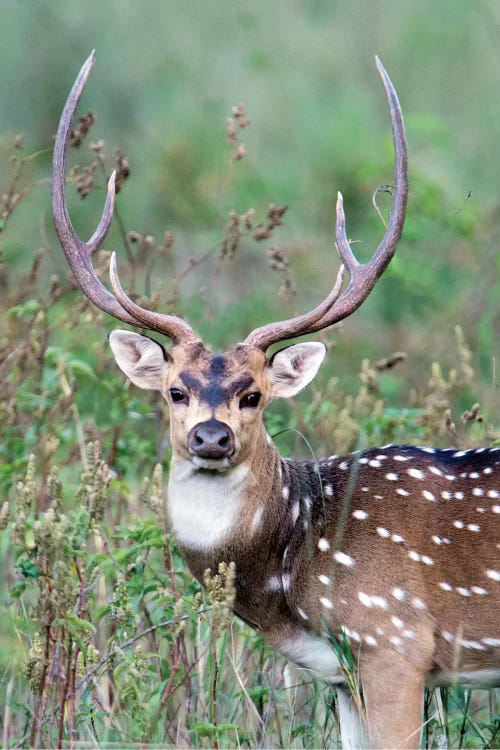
{"points": [[28, 569]]}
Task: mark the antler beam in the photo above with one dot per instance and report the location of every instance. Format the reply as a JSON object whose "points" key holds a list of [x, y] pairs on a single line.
{"points": [[79, 254], [362, 276]]}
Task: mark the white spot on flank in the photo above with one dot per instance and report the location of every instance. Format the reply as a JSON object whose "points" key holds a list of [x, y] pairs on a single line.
{"points": [[384, 533], [478, 590], [375, 464], [370, 640], [392, 477], [459, 454], [326, 602], [427, 560], [398, 593], [363, 460], [295, 511], [488, 470], [395, 640], [493, 574], [365, 600], [397, 538], [365, 489], [285, 492], [323, 545], [381, 457], [436, 539], [380, 602], [462, 591], [344, 559], [401, 458], [473, 527], [302, 613], [474, 475], [428, 495], [418, 603], [451, 477], [325, 579], [414, 555], [436, 471], [416, 473], [397, 622], [409, 633], [427, 449], [402, 492], [446, 495], [495, 508], [445, 586], [343, 465], [458, 524], [478, 491], [459, 495], [360, 514], [493, 493], [328, 490]]}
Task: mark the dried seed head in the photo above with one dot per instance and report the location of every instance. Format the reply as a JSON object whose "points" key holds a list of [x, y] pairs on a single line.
{"points": [[4, 516]]}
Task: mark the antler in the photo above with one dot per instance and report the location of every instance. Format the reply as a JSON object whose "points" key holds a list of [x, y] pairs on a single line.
{"points": [[79, 254], [362, 276]]}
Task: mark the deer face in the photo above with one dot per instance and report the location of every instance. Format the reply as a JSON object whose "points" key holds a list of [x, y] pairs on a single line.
{"points": [[215, 400]]}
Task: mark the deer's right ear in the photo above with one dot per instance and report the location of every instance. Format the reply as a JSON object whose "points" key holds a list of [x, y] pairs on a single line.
{"points": [[144, 361]]}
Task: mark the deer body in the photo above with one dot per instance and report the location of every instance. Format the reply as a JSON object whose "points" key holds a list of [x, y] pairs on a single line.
{"points": [[391, 553]]}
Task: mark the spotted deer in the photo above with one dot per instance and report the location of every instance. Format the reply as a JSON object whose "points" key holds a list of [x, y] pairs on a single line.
{"points": [[393, 551]]}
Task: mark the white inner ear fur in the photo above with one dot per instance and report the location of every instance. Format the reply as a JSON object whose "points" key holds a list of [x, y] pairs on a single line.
{"points": [[141, 359], [293, 368]]}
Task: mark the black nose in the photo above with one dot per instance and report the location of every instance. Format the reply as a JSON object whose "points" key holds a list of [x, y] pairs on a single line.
{"points": [[211, 439]]}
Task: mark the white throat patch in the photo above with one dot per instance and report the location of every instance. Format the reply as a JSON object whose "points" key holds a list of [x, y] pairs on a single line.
{"points": [[203, 506]]}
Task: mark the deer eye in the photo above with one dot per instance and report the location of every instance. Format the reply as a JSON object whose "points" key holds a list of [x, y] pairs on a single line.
{"points": [[250, 401], [177, 395]]}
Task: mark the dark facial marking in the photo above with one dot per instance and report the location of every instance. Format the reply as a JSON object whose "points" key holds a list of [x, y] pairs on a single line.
{"points": [[216, 391]]}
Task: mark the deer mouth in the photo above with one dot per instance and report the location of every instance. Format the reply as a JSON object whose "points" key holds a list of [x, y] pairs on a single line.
{"points": [[212, 465]]}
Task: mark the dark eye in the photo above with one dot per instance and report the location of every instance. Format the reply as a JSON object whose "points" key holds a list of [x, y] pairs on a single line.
{"points": [[177, 395], [250, 401]]}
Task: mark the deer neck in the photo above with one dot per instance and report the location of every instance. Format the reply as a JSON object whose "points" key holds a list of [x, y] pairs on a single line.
{"points": [[245, 516]]}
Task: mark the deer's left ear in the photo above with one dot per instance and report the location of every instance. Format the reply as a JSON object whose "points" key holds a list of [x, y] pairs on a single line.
{"points": [[293, 368]]}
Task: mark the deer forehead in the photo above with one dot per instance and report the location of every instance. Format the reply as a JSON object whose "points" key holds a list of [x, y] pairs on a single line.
{"points": [[215, 378]]}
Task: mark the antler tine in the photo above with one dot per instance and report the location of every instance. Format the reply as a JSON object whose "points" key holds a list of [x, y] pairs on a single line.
{"points": [[79, 253], [362, 276], [178, 329]]}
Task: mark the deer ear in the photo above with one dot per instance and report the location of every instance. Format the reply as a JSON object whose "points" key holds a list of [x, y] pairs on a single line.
{"points": [[144, 361], [293, 368]]}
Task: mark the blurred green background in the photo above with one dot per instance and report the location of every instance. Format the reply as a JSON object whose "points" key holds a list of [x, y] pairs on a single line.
{"points": [[166, 77]]}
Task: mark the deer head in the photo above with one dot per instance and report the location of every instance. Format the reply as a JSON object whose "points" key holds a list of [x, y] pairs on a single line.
{"points": [[216, 401]]}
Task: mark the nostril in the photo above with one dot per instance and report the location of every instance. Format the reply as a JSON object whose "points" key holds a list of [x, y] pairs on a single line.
{"points": [[224, 441], [198, 439]]}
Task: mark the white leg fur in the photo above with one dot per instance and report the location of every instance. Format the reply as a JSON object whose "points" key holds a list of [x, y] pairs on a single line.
{"points": [[351, 727]]}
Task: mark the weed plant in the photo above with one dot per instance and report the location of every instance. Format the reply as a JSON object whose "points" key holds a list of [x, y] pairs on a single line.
{"points": [[104, 636]]}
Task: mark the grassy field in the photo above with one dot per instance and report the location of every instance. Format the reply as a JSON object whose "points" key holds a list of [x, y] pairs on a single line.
{"points": [[104, 636]]}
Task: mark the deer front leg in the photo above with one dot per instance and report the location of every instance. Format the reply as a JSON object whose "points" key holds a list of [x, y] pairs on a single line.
{"points": [[393, 691], [352, 733]]}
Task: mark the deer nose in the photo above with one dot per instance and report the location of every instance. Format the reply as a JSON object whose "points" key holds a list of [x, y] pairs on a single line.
{"points": [[211, 439]]}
